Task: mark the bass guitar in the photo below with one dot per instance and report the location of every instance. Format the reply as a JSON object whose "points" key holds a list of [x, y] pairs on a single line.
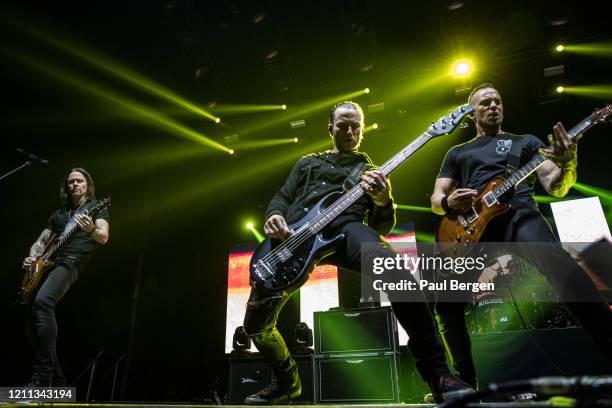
{"points": [[457, 231], [38, 269], [277, 265]]}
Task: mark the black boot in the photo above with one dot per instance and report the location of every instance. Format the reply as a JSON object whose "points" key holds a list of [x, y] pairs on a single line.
{"points": [[448, 386], [286, 386]]}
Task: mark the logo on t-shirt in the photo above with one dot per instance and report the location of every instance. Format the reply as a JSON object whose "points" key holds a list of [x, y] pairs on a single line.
{"points": [[503, 147]]}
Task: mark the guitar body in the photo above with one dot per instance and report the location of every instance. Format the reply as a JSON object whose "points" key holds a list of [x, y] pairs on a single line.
{"points": [[302, 255], [34, 275], [455, 231]]}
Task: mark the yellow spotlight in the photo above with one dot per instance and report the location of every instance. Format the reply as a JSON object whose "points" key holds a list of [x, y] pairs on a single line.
{"points": [[284, 107], [560, 48], [256, 233], [375, 126], [462, 68], [366, 90], [295, 139], [231, 151], [560, 89], [217, 120]]}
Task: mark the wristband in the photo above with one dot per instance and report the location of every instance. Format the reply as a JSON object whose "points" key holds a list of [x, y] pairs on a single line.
{"points": [[444, 203]]}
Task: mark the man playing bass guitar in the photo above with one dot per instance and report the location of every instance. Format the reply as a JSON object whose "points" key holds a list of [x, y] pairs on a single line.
{"points": [[313, 177], [466, 170], [77, 193]]}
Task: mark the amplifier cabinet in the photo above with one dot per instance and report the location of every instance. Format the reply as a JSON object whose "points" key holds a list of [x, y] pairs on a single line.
{"points": [[249, 374], [358, 379], [355, 331]]}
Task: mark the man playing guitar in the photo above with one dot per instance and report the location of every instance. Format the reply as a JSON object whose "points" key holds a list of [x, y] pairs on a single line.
{"points": [[466, 170], [77, 194], [313, 177]]}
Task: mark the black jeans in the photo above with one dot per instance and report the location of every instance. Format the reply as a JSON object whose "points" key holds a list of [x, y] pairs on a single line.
{"points": [[564, 274], [263, 308], [41, 326]]}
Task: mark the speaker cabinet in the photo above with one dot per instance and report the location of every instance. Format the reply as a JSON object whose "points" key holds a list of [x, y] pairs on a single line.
{"points": [[355, 331], [250, 373], [358, 379]]}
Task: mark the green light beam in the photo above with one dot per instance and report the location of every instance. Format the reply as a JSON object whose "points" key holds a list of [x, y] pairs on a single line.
{"points": [[144, 112], [600, 49], [125, 73], [602, 91], [413, 208], [300, 113], [605, 195]]}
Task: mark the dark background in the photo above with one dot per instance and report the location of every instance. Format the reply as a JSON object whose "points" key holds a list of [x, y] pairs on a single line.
{"points": [[179, 206]]}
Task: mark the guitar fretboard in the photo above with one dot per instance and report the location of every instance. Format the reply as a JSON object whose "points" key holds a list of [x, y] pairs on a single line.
{"points": [[533, 164], [327, 216]]}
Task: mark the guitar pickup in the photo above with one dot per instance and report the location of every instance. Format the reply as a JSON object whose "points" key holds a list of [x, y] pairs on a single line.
{"points": [[284, 254], [490, 199], [472, 216], [462, 221], [263, 270]]}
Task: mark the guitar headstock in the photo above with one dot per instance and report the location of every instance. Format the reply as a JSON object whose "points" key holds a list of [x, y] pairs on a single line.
{"points": [[602, 115], [100, 204], [448, 123]]}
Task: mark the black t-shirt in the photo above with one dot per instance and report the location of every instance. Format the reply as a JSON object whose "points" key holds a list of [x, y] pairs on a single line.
{"points": [[81, 246], [474, 163]]}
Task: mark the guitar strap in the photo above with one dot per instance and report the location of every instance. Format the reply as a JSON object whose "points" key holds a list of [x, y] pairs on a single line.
{"points": [[71, 222], [513, 157], [355, 175]]}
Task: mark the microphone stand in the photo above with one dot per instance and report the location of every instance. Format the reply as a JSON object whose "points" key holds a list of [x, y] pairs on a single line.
{"points": [[15, 170]]}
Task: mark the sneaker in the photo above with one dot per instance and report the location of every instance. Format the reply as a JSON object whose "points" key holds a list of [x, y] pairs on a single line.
{"points": [[274, 393], [447, 386]]}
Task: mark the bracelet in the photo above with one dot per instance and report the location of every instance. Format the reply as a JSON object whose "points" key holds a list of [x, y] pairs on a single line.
{"points": [[444, 203]]}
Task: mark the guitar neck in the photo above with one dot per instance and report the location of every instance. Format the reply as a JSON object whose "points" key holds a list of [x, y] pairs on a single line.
{"points": [[533, 164], [327, 216]]}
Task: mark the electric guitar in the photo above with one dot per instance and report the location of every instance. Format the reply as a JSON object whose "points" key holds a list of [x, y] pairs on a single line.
{"points": [[456, 231], [277, 265], [43, 263]]}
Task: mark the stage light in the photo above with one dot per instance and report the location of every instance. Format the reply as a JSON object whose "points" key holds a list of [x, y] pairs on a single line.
{"points": [[284, 107], [560, 48], [241, 340], [295, 140], [231, 151], [251, 227], [303, 338], [217, 120], [366, 90], [462, 68], [371, 127], [560, 89]]}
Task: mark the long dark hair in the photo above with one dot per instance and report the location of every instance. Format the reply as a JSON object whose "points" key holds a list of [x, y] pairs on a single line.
{"points": [[64, 190]]}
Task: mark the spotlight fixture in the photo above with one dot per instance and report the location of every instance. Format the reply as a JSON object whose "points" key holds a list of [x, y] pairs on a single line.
{"points": [[560, 89], [249, 225], [462, 68], [241, 340], [217, 120], [303, 338], [560, 48], [366, 90], [284, 107]]}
